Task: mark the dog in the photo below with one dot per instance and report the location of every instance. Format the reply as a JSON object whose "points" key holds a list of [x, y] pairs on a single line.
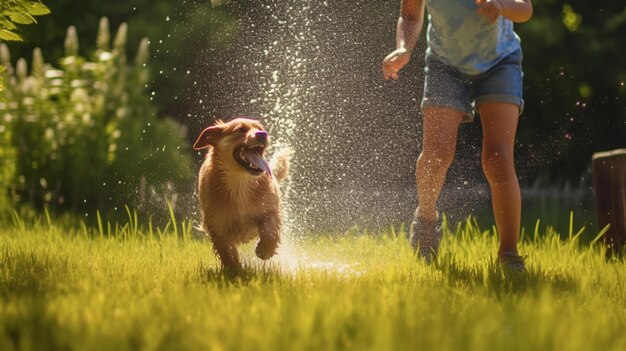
{"points": [[239, 190]]}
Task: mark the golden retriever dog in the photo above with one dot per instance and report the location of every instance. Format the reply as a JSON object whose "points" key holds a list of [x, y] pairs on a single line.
{"points": [[239, 195]]}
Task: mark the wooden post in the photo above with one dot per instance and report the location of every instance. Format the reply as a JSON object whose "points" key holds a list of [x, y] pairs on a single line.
{"points": [[609, 184]]}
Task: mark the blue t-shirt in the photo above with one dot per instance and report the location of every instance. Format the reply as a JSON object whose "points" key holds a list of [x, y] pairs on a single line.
{"points": [[462, 38]]}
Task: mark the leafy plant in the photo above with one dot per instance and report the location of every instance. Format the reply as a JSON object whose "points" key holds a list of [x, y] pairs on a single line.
{"points": [[86, 135], [14, 12]]}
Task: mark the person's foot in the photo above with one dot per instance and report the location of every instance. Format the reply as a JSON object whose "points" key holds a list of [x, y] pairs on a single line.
{"points": [[425, 237], [512, 261]]}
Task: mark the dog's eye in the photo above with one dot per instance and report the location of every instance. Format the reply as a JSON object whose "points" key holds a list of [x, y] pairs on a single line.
{"points": [[240, 130]]}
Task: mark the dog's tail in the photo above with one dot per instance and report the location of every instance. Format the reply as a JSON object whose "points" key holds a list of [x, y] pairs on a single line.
{"points": [[280, 163]]}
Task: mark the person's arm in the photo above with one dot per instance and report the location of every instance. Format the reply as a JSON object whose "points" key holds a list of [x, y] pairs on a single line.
{"points": [[515, 10], [410, 23], [407, 31]]}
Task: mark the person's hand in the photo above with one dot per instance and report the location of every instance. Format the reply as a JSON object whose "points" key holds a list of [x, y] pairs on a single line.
{"points": [[394, 62], [490, 9]]}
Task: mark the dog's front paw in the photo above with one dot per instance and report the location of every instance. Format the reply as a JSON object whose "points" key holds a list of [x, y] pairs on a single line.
{"points": [[266, 249]]}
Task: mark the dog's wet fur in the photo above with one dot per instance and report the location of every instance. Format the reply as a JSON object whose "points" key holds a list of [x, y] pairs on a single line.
{"points": [[239, 195]]}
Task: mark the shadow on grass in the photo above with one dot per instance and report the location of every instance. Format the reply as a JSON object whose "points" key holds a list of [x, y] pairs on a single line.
{"points": [[31, 273], [503, 283], [219, 275]]}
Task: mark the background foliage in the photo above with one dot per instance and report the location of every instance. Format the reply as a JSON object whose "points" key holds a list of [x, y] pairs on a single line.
{"points": [[574, 86], [12, 14], [575, 83], [86, 135]]}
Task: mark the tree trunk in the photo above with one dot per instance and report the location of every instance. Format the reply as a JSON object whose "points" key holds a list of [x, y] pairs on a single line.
{"points": [[609, 183]]}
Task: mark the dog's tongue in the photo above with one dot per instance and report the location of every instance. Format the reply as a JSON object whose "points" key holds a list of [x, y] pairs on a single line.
{"points": [[256, 159]]}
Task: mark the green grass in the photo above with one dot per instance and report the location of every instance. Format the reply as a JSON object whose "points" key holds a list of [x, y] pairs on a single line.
{"points": [[64, 287]]}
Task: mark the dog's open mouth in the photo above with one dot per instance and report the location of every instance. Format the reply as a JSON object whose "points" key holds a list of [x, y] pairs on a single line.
{"points": [[251, 158]]}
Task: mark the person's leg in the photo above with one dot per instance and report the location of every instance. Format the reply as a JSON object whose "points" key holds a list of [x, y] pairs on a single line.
{"points": [[445, 105], [438, 148], [439, 136], [499, 123]]}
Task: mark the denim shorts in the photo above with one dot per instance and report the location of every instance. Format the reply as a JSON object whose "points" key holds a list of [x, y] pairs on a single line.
{"points": [[446, 86]]}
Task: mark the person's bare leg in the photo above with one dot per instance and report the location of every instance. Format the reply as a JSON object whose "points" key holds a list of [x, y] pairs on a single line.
{"points": [[438, 148], [439, 136], [499, 121]]}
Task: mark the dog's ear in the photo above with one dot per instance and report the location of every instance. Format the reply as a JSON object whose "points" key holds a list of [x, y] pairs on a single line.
{"points": [[208, 137]]}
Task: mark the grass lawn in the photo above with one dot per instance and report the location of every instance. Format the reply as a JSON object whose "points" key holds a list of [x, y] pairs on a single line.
{"points": [[76, 288]]}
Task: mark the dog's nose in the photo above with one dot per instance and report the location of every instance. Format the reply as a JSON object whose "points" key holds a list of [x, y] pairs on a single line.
{"points": [[261, 136]]}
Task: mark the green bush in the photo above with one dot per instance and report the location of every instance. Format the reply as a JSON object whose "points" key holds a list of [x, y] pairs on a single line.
{"points": [[85, 134], [12, 14]]}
